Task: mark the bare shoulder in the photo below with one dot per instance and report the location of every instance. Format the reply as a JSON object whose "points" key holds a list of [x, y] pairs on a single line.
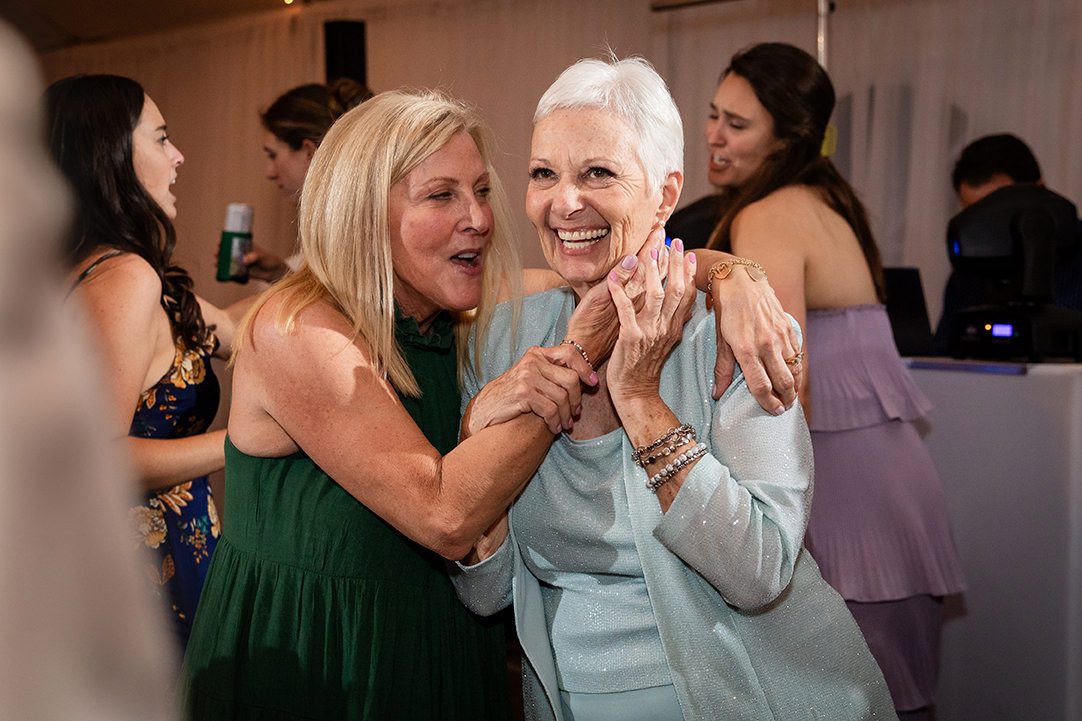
{"points": [[319, 334], [291, 383], [798, 196], [783, 205], [123, 293], [269, 330], [788, 216], [278, 369], [123, 277], [121, 300]]}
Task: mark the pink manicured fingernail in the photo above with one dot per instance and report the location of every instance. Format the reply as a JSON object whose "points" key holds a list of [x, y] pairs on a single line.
{"points": [[779, 410], [690, 258], [629, 262], [614, 276], [653, 253], [678, 244], [593, 382]]}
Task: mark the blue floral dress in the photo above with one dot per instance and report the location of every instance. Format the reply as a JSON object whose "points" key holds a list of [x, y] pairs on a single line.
{"points": [[178, 528]]}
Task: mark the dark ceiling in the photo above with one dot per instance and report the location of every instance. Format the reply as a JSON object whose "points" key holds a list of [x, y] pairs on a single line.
{"points": [[54, 24]]}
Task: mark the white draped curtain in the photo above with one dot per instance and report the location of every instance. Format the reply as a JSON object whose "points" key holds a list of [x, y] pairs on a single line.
{"points": [[916, 80]]}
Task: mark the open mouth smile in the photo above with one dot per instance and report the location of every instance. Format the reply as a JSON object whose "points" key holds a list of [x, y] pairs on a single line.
{"points": [[720, 162], [468, 259], [580, 239]]}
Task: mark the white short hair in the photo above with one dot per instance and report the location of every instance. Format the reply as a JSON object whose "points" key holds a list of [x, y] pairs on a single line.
{"points": [[632, 89]]}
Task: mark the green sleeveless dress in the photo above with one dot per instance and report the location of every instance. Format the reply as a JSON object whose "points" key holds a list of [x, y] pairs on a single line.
{"points": [[315, 608]]}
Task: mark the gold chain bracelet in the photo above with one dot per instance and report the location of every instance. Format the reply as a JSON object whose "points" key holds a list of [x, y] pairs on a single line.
{"points": [[723, 268]]}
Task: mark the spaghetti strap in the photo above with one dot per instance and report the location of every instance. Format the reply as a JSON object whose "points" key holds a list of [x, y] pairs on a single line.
{"points": [[90, 268]]}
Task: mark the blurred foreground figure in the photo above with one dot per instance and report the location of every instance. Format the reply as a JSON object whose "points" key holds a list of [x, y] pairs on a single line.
{"points": [[78, 637]]}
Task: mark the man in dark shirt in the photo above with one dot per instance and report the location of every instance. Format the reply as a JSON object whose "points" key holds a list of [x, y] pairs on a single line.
{"points": [[986, 165]]}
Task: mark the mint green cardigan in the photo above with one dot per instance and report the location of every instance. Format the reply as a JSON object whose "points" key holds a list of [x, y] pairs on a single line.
{"points": [[750, 629]]}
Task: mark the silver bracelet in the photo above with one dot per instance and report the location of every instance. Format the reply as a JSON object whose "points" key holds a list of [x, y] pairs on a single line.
{"points": [[639, 454], [658, 453], [682, 461]]}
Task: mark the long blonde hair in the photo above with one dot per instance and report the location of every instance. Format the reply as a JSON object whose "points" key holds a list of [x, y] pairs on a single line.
{"points": [[344, 235]]}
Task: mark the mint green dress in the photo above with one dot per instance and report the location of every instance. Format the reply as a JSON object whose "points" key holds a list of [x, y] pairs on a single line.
{"points": [[315, 608]]}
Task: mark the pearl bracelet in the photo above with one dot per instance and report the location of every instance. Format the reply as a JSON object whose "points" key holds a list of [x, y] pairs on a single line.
{"points": [[682, 461]]}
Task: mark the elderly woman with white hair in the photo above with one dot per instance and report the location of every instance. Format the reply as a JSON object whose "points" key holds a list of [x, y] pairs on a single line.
{"points": [[655, 561]]}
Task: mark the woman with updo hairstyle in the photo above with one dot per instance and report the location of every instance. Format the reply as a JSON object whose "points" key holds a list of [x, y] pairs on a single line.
{"points": [[878, 526], [295, 123], [156, 336], [293, 127]]}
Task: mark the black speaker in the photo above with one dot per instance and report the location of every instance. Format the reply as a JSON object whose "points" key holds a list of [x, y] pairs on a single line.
{"points": [[346, 57]]}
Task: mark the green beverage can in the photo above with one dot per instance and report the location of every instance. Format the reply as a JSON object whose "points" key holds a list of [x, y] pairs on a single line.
{"points": [[236, 242]]}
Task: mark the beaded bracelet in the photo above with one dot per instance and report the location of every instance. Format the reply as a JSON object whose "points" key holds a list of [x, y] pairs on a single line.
{"points": [[639, 453], [683, 460], [580, 349]]}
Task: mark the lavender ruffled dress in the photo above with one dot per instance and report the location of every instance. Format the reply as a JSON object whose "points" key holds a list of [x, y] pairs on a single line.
{"points": [[878, 525]]}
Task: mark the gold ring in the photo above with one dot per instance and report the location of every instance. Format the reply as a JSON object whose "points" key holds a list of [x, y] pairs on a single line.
{"points": [[795, 359]]}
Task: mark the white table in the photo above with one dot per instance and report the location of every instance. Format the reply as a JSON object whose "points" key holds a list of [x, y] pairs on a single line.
{"points": [[1009, 451]]}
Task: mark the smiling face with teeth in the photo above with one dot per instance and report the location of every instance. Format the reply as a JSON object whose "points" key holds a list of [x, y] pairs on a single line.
{"points": [[739, 133], [440, 222], [155, 158], [588, 195]]}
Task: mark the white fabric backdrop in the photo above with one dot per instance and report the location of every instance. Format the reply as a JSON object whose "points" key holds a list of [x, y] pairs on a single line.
{"points": [[917, 80]]}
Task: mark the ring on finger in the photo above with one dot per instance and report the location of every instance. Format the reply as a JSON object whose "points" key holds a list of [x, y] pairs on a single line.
{"points": [[795, 359]]}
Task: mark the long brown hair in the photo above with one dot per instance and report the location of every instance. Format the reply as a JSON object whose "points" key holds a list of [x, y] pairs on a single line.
{"points": [[91, 119], [799, 96]]}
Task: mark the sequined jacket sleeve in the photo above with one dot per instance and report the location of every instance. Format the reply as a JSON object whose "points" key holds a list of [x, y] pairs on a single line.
{"points": [[485, 587], [740, 516]]}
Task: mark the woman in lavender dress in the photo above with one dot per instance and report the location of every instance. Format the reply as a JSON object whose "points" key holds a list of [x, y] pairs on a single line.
{"points": [[878, 526]]}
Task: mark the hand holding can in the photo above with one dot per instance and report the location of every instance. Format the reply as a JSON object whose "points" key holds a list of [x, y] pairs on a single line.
{"points": [[236, 242]]}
